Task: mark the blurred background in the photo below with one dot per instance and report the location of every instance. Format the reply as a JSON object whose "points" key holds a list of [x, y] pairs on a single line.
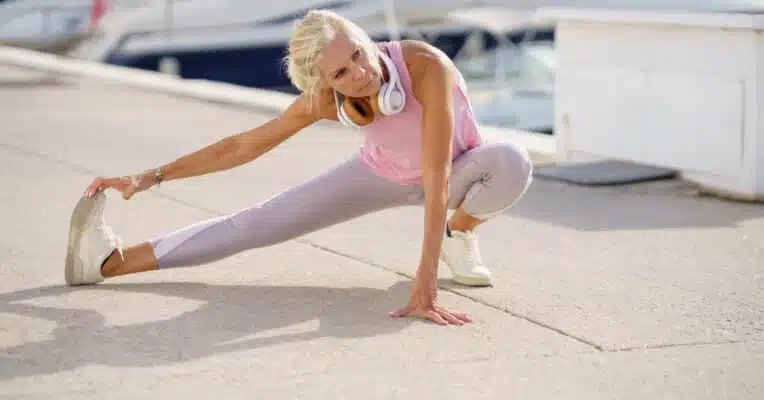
{"points": [[506, 53]]}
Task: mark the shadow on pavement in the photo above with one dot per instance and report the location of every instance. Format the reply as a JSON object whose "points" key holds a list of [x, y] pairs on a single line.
{"points": [[225, 323], [605, 209]]}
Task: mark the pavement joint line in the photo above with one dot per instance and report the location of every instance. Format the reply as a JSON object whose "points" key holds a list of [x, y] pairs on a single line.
{"points": [[676, 345], [460, 294], [46, 157]]}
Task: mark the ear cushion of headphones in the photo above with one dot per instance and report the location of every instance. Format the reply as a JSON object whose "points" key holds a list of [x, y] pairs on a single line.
{"points": [[391, 98], [359, 111]]}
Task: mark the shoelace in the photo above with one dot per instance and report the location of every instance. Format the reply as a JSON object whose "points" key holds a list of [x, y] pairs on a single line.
{"points": [[473, 250], [109, 234]]}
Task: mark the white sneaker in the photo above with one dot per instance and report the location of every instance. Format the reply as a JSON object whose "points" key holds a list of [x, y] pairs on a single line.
{"points": [[462, 255], [91, 241]]}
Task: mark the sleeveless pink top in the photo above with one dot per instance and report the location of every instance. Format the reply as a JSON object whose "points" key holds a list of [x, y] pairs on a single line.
{"points": [[392, 144]]}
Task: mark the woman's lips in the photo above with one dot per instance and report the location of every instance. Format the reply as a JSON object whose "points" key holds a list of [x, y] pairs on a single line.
{"points": [[368, 83]]}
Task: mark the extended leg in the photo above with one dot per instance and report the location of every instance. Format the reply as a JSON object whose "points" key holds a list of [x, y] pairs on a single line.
{"points": [[345, 192], [342, 193]]}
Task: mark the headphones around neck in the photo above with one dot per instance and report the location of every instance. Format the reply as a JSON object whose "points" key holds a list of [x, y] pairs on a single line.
{"points": [[355, 113]]}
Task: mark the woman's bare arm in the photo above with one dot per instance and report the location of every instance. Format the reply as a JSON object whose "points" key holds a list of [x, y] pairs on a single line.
{"points": [[434, 91], [432, 84]]}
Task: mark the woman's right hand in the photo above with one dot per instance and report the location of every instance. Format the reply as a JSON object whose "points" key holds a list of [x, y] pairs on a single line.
{"points": [[127, 185]]}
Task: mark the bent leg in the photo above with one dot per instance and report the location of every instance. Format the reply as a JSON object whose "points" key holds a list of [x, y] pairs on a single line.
{"points": [[489, 179], [342, 193], [484, 182]]}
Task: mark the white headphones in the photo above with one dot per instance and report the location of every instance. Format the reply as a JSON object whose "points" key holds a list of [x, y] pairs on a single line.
{"points": [[391, 100]]}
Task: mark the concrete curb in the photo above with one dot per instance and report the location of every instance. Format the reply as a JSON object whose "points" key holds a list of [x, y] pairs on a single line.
{"points": [[149, 80], [542, 145]]}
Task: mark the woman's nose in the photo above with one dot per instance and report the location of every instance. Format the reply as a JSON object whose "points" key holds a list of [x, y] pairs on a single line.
{"points": [[360, 72]]}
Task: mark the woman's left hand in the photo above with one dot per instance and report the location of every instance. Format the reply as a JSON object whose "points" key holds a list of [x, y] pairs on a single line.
{"points": [[424, 304]]}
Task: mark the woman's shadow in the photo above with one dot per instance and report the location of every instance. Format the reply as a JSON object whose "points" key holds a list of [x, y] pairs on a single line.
{"points": [[226, 322]]}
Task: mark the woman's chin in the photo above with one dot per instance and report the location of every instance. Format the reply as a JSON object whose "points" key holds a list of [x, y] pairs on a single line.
{"points": [[358, 94], [372, 92], [366, 92]]}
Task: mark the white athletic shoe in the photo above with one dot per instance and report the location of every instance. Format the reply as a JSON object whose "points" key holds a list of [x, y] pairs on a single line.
{"points": [[91, 241], [462, 255]]}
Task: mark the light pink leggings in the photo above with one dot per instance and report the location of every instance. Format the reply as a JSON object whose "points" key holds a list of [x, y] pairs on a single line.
{"points": [[486, 180]]}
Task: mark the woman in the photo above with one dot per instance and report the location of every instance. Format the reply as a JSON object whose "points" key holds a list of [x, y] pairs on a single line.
{"points": [[421, 146]]}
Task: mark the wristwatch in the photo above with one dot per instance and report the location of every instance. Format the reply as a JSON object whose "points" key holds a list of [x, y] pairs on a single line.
{"points": [[158, 175]]}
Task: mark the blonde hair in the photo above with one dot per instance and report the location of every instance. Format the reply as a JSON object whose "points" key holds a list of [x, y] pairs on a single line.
{"points": [[310, 37]]}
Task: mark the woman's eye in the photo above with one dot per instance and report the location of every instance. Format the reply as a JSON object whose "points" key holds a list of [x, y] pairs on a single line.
{"points": [[356, 54]]}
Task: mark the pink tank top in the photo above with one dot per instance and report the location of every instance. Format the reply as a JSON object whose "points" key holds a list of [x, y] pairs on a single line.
{"points": [[392, 144]]}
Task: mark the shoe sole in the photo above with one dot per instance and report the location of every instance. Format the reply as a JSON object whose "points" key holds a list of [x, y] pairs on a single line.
{"points": [[473, 281], [83, 209]]}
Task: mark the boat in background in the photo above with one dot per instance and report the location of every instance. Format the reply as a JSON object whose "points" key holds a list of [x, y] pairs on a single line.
{"points": [[55, 26], [243, 43]]}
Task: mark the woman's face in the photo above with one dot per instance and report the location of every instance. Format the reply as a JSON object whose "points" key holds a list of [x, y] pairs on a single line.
{"points": [[346, 68]]}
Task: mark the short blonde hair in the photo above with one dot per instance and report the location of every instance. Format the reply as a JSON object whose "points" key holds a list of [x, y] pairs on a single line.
{"points": [[310, 36]]}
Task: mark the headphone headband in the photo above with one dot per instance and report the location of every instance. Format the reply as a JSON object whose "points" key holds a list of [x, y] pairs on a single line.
{"points": [[391, 70], [392, 98]]}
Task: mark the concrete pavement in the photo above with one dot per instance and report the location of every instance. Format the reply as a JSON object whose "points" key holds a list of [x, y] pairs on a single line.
{"points": [[646, 291]]}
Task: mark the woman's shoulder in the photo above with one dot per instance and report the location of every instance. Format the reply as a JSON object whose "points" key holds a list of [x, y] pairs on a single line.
{"points": [[418, 54], [422, 58]]}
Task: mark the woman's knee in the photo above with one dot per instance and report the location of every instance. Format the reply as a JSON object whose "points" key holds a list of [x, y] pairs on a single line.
{"points": [[511, 166], [509, 171]]}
